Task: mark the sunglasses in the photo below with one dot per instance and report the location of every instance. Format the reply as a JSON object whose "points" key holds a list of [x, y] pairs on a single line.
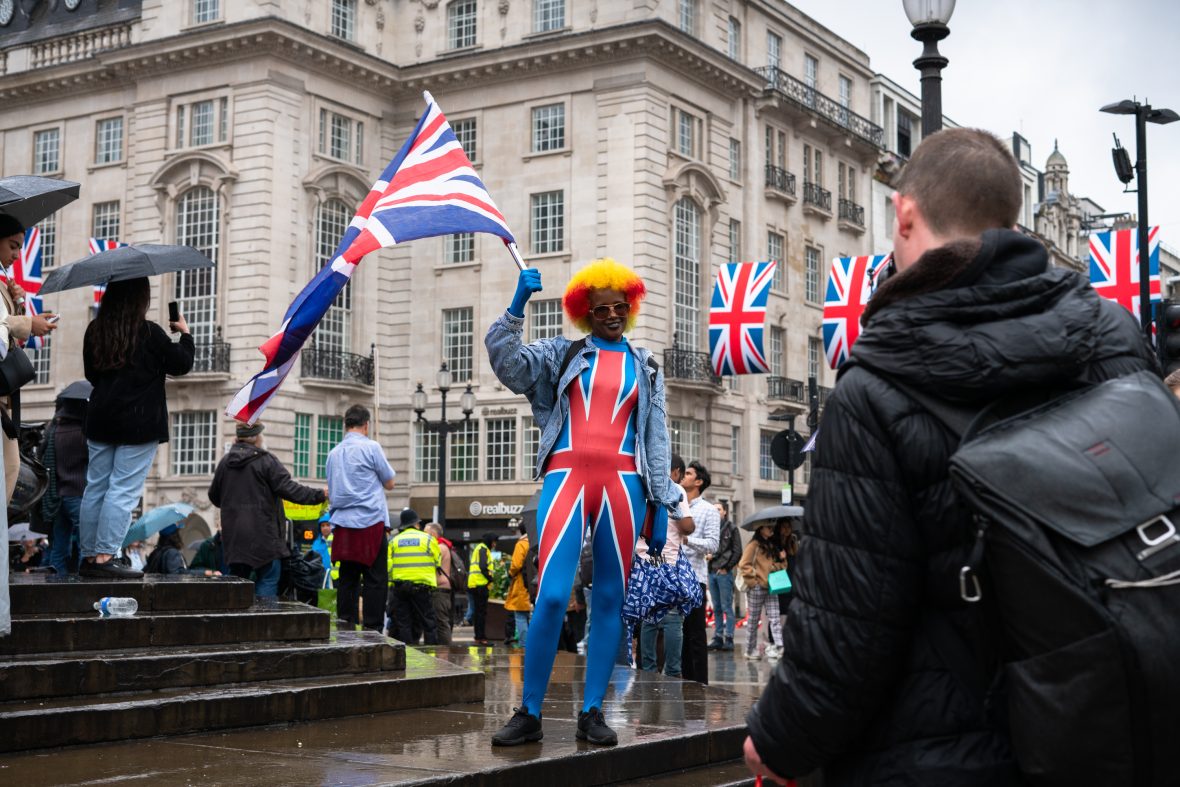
{"points": [[615, 309]]}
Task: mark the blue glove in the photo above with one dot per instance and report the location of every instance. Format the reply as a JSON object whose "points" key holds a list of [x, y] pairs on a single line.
{"points": [[659, 531], [527, 283]]}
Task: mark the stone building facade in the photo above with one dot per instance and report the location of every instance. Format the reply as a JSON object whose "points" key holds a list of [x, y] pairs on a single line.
{"points": [[675, 135]]}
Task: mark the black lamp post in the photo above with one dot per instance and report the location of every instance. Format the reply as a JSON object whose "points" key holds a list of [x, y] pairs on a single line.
{"points": [[1144, 114], [929, 18], [444, 428]]}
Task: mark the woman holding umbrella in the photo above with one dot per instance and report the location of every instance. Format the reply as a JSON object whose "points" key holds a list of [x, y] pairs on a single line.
{"points": [[126, 358]]}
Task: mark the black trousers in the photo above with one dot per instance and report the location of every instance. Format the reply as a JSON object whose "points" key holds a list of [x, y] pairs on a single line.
{"points": [[479, 597], [413, 608], [694, 659], [358, 581]]}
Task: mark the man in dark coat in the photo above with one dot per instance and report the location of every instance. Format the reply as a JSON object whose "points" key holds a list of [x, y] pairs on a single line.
{"points": [[975, 312], [249, 486]]}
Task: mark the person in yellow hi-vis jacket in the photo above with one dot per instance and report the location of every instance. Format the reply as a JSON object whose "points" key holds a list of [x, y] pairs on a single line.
{"points": [[479, 574], [413, 559]]}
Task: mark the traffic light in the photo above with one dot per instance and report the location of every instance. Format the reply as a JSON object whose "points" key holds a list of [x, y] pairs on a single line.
{"points": [[1167, 335]]}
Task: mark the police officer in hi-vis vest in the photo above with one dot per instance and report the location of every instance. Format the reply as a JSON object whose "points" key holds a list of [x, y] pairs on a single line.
{"points": [[479, 574], [413, 558]]}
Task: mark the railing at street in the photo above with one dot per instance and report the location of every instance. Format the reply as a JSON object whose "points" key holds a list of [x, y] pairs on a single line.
{"points": [[807, 97], [337, 366]]}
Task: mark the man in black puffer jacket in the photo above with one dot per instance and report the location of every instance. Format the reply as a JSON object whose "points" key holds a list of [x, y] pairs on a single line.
{"points": [[974, 313]]}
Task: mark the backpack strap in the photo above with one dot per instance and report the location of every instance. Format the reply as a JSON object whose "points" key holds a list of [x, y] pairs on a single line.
{"points": [[574, 349]]}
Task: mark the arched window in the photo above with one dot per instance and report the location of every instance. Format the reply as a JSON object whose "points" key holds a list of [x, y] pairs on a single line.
{"points": [[335, 330], [198, 224], [686, 271]]}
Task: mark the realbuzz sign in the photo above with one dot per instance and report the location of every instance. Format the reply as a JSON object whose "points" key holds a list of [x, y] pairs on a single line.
{"points": [[496, 509]]}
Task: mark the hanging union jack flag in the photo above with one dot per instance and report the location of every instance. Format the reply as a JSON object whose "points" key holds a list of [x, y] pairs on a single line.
{"points": [[849, 288], [736, 316], [97, 245], [428, 189], [1114, 266]]}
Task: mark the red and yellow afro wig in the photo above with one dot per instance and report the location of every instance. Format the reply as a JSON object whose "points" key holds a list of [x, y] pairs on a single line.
{"points": [[604, 274]]}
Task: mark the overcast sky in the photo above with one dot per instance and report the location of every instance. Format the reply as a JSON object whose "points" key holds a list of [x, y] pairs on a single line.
{"points": [[1043, 68]]}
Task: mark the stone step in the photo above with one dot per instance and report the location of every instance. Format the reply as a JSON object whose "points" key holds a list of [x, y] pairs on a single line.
{"points": [[39, 594], [52, 675], [426, 682], [727, 774], [265, 621]]}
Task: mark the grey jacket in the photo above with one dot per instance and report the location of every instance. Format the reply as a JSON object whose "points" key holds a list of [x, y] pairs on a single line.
{"points": [[531, 369]]}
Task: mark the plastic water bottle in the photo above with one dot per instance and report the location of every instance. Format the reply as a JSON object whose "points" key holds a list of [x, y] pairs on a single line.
{"points": [[112, 607]]}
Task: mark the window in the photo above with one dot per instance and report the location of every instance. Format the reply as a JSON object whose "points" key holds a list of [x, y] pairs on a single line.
{"points": [[548, 222], [461, 24], [775, 351], [460, 247], [458, 342], [328, 435], [686, 438], [206, 11], [807, 164], [465, 452], [334, 333], [842, 180], [851, 184], [202, 122], [425, 455], [201, 126], [845, 92], [735, 159], [905, 134], [106, 222], [530, 445], [686, 264], [735, 450], [548, 15], [341, 137], [548, 128], [767, 470], [344, 19], [47, 151], [811, 275], [194, 442], [814, 352], [39, 358], [301, 455], [686, 132], [775, 248], [545, 321], [108, 140], [198, 224], [811, 71], [734, 39], [501, 449], [688, 16], [48, 228], [819, 167], [735, 240], [465, 132], [774, 51]]}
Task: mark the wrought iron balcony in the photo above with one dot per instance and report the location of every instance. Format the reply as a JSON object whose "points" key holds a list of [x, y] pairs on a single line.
{"points": [[779, 179], [689, 366], [810, 99], [852, 213], [337, 365], [817, 196], [211, 357], [785, 388]]}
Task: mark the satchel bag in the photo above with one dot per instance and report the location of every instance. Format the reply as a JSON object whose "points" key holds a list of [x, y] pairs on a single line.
{"points": [[780, 582], [15, 370]]}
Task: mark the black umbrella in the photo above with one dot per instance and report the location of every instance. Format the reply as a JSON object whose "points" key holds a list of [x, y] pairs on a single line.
{"points": [[127, 262], [768, 516], [29, 198], [79, 389]]}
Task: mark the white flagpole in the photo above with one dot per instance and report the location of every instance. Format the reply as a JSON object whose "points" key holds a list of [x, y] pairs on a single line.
{"points": [[515, 252]]}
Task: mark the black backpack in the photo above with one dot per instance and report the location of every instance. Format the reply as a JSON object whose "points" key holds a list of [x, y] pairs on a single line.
{"points": [[1077, 501], [458, 575], [529, 570]]}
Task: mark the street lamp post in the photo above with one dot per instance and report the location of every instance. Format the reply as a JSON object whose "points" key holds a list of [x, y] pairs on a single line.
{"points": [[443, 380], [1144, 114], [929, 18]]}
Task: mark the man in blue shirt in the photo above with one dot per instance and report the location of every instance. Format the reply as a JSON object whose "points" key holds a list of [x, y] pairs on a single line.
{"points": [[358, 477]]}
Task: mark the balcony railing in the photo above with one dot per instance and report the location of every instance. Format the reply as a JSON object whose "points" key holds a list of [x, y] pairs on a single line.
{"points": [[817, 195], [689, 366], [807, 97], [851, 212], [79, 46], [338, 366], [211, 357], [787, 389], [779, 179]]}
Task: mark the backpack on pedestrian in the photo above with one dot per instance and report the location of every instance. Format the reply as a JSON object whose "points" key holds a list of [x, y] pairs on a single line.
{"points": [[1077, 500], [458, 573], [529, 571]]}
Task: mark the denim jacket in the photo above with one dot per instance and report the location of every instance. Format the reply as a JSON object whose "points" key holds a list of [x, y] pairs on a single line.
{"points": [[531, 369]]}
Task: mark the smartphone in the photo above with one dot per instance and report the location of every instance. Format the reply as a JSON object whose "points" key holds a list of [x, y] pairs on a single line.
{"points": [[173, 311], [53, 320]]}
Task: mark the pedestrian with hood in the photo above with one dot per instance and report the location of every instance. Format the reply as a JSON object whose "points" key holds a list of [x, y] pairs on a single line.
{"points": [[168, 556], [249, 486], [64, 456], [869, 687]]}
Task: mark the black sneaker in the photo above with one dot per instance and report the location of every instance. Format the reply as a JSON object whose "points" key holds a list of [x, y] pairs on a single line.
{"points": [[592, 727], [728, 644], [107, 570], [716, 644], [523, 727]]}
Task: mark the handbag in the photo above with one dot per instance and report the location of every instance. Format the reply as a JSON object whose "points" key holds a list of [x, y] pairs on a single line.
{"points": [[15, 370], [780, 582]]}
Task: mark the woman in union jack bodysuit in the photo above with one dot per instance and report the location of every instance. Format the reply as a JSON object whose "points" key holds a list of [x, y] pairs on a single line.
{"points": [[604, 458]]}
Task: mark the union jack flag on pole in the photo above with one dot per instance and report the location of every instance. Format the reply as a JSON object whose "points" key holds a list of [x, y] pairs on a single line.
{"points": [[428, 189], [97, 245], [848, 291], [1114, 266], [736, 316]]}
